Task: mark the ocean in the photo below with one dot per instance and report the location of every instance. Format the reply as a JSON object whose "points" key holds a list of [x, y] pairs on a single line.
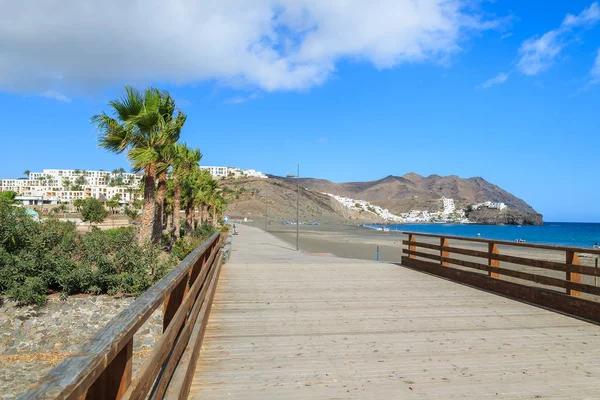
{"points": [[557, 233]]}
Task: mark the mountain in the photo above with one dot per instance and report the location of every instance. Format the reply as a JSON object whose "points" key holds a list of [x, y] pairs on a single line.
{"points": [[253, 197], [413, 191]]}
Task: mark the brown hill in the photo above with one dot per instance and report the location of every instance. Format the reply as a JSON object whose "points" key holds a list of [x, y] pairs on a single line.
{"points": [[252, 197], [413, 191]]}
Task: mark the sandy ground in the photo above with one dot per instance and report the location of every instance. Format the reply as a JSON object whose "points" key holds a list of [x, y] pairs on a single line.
{"points": [[349, 241]]}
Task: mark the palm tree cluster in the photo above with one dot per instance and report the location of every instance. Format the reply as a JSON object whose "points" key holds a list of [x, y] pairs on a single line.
{"points": [[147, 126]]}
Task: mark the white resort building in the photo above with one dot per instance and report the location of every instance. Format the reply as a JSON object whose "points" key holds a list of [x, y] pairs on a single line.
{"points": [[55, 186], [489, 204], [232, 173]]}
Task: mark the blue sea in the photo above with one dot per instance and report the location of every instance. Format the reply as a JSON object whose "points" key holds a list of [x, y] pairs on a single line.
{"points": [[557, 233]]}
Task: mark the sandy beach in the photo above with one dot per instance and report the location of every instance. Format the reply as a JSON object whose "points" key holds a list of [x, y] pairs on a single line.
{"points": [[350, 241]]}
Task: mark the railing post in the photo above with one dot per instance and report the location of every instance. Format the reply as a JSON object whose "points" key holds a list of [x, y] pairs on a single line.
{"points": [[493, 249], [443, 253], [572, 259], [115, 379], [411, 238], [173, 300]]}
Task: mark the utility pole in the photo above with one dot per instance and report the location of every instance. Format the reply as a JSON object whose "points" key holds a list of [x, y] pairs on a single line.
{"points": [[266, 214], [298, 209]]}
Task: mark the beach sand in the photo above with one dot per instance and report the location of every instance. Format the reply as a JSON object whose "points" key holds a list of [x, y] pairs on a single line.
{"points": [[352, 241]]}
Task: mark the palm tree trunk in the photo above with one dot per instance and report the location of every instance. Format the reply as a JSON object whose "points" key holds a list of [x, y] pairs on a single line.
{"points": [[149, 205], [161, 191], [188, 219], [176, 205], [214, 216], [194, 220]]}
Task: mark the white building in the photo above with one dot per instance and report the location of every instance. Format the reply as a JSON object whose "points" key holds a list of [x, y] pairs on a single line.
{"points": [[54, 186], [489, 204], [231, 172], [362, 205], [448, 205]]}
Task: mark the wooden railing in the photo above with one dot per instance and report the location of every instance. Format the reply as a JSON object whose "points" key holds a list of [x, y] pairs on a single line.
{"points": [[102, 368], [561, 292]]}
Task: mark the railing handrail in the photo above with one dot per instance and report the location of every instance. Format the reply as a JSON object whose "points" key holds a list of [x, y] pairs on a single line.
{"points": [[487, 272], [509, 243], [74, 375]]}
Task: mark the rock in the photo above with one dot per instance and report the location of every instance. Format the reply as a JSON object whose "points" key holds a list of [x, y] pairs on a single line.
{"points": [[504, 217], [33, 332]]}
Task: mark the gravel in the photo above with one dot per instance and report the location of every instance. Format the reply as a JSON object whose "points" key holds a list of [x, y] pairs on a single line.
{"points": [[33, 339]]}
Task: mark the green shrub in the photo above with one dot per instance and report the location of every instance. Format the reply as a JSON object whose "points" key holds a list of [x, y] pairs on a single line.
{"points": [[32, 291], [36, 258], [204, 231]]}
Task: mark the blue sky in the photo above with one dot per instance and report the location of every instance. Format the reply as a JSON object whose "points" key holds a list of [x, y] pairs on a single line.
{"points": [[506, 90]]}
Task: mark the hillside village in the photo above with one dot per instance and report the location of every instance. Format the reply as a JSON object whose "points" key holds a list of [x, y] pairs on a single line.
{"points": [[449, 214], [54, 186]]}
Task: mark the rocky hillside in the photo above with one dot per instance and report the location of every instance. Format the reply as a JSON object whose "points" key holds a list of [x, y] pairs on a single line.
{"points": [[504, 217], [251, 197], [413, 191]]}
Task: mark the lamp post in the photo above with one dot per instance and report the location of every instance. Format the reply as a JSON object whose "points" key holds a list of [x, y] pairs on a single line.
{"points": [[297, 176], [266, 213]]}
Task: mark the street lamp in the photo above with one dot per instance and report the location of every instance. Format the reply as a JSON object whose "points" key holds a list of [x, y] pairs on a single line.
{"points": [[297, 176]]}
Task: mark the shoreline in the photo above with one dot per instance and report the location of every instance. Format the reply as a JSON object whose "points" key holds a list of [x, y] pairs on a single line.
{"points": [[353, 242]]}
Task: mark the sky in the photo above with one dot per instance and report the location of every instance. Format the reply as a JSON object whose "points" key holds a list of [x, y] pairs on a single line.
{"points": [[351, 90]]}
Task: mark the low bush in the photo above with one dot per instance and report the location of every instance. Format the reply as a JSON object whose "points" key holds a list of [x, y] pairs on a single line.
{"points": [[37, 258], [185, 245]]}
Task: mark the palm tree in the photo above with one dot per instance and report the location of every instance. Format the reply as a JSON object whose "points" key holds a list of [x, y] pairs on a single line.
{"points": [[112, 204], [206, 188], [27, 173], [165, 159], [143, 124], [216, 203], [66, 183], [185, 163]]}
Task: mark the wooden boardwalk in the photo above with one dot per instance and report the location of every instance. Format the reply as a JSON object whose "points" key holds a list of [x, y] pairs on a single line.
{"points": [[286, 325]]}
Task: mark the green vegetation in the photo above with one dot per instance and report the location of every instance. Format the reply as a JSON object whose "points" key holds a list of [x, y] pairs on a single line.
{"points": [[93, 211], [8, 196], [146, 125], [39, 258], [78, 203], [36, 259]]}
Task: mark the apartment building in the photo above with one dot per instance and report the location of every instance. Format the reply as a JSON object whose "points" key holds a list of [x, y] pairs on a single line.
{"points": [[231, 172], [54, 186]]}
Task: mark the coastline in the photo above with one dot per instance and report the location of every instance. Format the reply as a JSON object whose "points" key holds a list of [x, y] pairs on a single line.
{"points": [[354, 242]]}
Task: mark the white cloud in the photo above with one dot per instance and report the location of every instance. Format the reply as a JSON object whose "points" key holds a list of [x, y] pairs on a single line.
{"points": [[538, 53], [241, 99], [75, 46], [52, 94], [497, 80], [595, 73]]}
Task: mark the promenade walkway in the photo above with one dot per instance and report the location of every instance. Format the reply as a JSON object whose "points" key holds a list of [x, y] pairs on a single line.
{"points": [[287, 325]]}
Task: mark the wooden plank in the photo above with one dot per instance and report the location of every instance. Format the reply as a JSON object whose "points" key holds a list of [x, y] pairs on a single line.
{"points": [[444, 253], [507, 243], [411, 238], [72, 377], [530, 262], [147, 374], [285, 325], [173, 300], [547, 298], [572, 259], [182, 341], [179, 385], [541, 279], [115, 379], [492, 262]]}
